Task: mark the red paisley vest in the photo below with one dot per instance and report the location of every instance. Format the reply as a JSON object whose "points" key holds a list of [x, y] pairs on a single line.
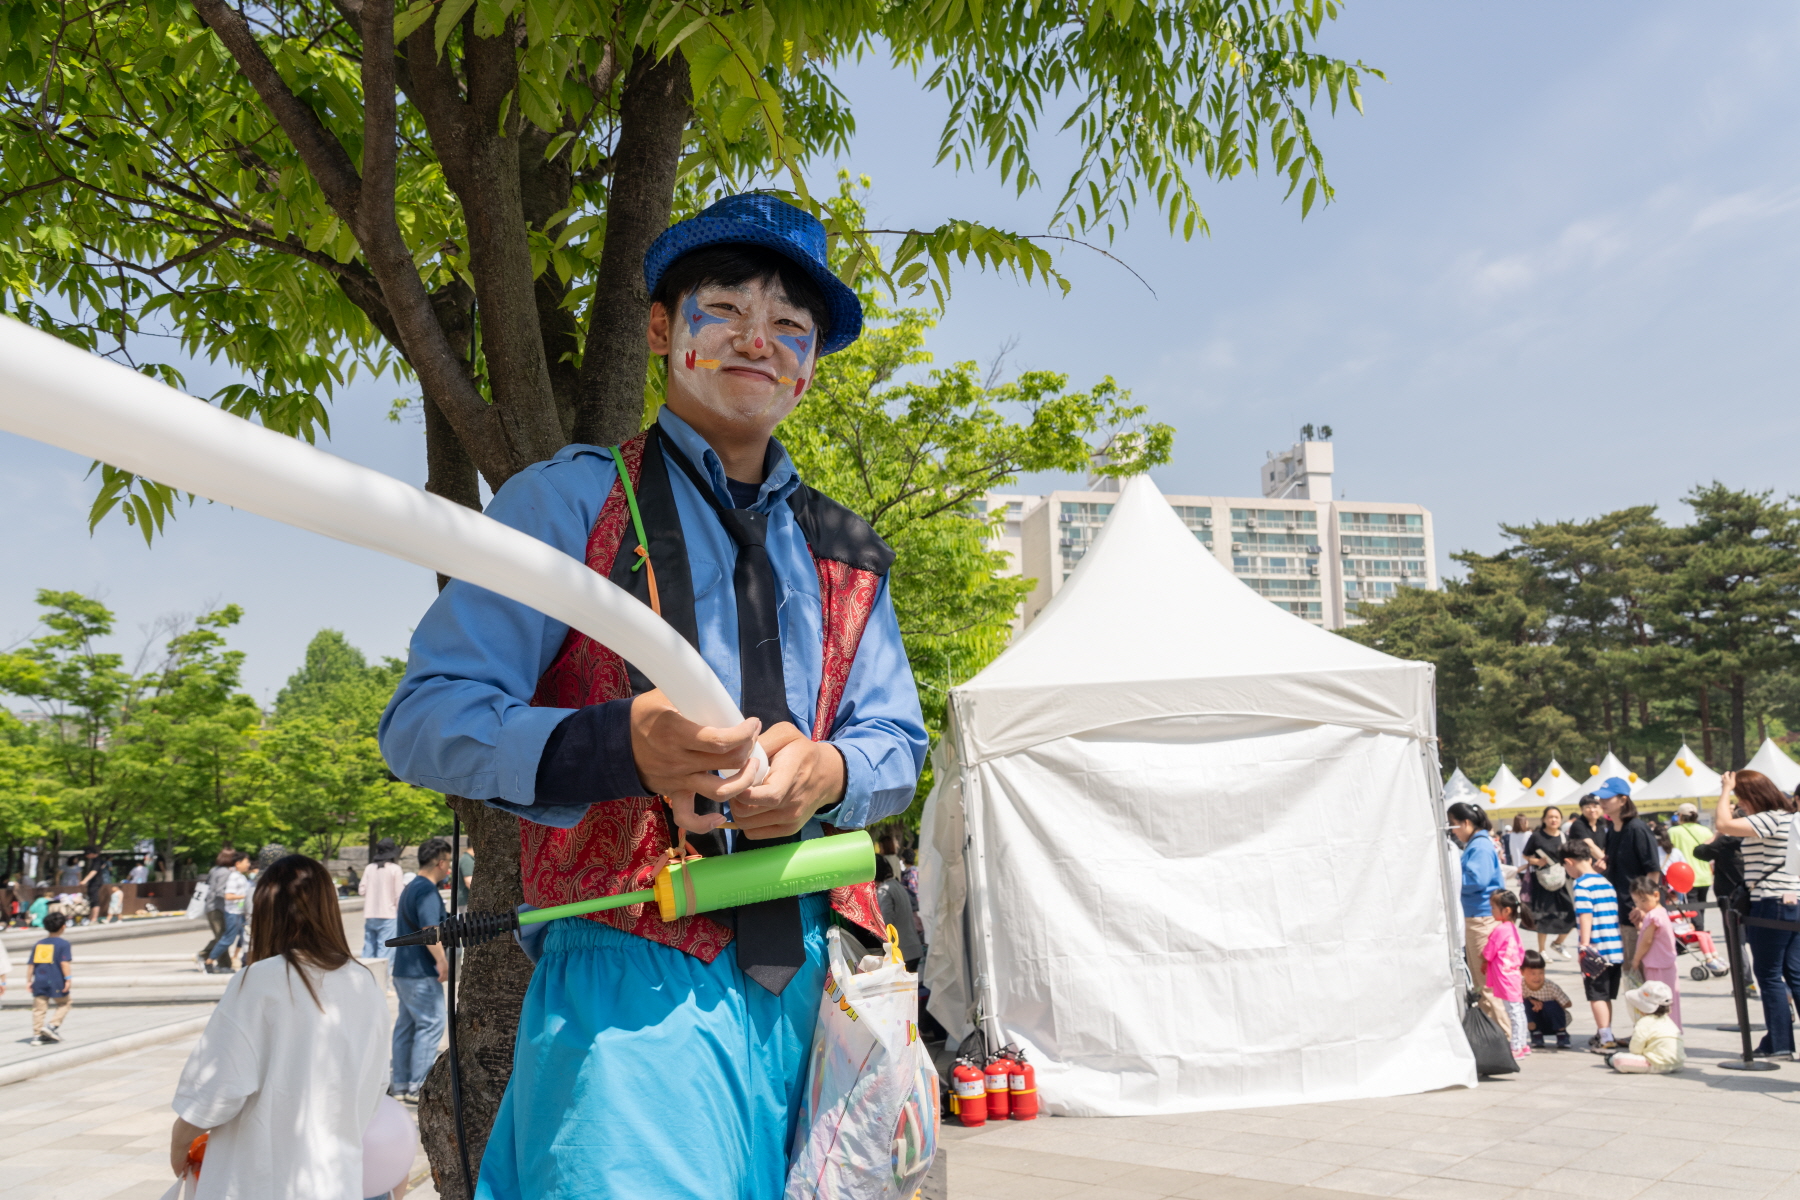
{"points": [[620, 844]]}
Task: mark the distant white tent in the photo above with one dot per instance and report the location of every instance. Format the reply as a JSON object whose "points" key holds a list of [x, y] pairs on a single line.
{"points": [[1504, 788], [1685, 778], [1610, 768], [1459, 787], [1134, 863], [1774, 762], [1552, 787]]}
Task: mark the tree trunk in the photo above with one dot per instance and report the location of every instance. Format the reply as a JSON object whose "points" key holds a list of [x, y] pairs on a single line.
{"points": [[491, 981], [653, 114], [1625, 730], [1738, 758], [1706, 730]]}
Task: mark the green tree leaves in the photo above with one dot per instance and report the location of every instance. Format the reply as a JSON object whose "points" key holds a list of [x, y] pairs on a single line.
{"points": [[228, 185], [177, 753], [1618, 632]]}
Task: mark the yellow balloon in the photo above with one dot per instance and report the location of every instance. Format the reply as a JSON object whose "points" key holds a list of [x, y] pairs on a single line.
{"points": [[1682, 763], [1556, 771], [1526, 781], [1687, 769], [1631, 775], [1540, 791], [1593, 770]]}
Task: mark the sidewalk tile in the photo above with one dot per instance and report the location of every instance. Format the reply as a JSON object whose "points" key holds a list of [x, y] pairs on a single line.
{"points": [[1664, 1189], [1366, 1181], [1412, 1162], [1227, 1187], [1722, 1175], [1337, 1154], [1210, 1162], [1456, 1189], [1591, 1185], [1158, 1181], [1496, 1171], [1283, 1170]]}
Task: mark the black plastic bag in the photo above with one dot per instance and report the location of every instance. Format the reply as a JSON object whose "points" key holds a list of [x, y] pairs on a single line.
{"points": [[1493, 1053]]}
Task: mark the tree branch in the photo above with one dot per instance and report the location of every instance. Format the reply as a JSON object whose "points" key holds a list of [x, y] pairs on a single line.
{"points": [[653, 114], [322, 153]]}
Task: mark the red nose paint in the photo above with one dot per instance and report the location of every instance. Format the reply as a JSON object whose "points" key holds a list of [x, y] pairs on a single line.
{"points": [[759, 343]]}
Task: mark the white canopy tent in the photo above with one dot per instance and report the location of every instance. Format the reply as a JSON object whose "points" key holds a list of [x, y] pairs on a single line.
{"points": [[1504, 788], [1552, 787], [1460, 787], [1196, 844], [1685, 778], [1774, 762], [1610, 768]]}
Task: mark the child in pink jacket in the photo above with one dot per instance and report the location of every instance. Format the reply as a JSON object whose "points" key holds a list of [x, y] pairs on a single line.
{"points": [[1505, 953]]}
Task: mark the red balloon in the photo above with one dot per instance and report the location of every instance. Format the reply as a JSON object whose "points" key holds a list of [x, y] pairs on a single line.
{"points": [[1680, 876]]}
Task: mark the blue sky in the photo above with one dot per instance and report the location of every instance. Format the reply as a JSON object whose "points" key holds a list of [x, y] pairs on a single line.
{"points": [[1558, 279]]}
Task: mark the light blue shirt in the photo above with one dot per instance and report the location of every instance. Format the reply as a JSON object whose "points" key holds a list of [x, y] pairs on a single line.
{"points": [[462, 721], [1480, 875]]}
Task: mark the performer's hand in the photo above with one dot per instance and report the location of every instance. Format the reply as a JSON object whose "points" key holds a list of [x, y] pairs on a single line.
{"points": [[804, 776], [676, 758]]}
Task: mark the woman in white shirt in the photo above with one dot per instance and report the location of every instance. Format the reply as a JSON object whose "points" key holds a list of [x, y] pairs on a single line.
{"points": [[288, 1073], [1766, 825]]}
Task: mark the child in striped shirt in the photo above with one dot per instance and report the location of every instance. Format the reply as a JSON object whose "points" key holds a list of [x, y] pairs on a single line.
{"points": [[1602, 950]]}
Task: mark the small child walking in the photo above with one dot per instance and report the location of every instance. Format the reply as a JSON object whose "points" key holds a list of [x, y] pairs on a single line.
{"points": [[1656, 940], [50, 978], [1505, 954], [1547, 1006], [1656, 1045]]}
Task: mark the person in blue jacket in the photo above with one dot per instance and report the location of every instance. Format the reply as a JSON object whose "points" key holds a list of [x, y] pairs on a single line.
{"points": [[670, 1058], [1480, 880]]}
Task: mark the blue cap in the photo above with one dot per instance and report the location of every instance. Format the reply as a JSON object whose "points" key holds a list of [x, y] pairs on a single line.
{"points": [[757, 220], [1614, 786]]}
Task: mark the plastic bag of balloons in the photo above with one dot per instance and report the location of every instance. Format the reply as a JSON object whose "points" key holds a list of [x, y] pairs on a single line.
{"points": [[869, 1119]]}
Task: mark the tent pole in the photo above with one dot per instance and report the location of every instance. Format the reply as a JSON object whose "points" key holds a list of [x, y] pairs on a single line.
{"points": [[983, 992], [1434, 772]]}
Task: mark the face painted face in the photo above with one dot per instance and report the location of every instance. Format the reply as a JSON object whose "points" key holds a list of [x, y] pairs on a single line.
{"points": [[741, 353]]}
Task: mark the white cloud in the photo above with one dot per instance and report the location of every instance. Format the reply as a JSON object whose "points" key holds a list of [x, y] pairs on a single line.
{"points": [[1584, 244], [1757, 204]]}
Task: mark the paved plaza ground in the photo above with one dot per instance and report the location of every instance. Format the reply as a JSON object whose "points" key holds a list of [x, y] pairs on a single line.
{"points": [[1564, 1127]]}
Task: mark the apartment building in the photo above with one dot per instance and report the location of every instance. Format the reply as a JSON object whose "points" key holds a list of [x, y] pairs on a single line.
{"points": [[1318, 558]]}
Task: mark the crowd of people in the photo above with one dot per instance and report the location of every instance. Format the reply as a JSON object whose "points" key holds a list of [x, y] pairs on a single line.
{"points": [[85, 889], [1603, 878]]}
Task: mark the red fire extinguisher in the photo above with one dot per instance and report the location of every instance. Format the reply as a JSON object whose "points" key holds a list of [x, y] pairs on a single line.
{"points": [[1022, 1086], [999, 1080], [968, 1093]]}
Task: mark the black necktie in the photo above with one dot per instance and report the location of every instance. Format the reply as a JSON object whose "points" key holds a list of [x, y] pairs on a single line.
{"points": [[771, 945]]}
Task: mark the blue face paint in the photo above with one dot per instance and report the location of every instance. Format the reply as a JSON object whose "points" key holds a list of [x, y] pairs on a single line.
{"points": [[799, 343], [695, 318]]}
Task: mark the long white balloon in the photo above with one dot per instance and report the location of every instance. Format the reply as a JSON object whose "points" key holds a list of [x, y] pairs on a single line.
{"points": [[56, 393]]}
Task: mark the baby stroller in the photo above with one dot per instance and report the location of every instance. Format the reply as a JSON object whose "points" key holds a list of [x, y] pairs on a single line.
{"points": [[1696, 943]]}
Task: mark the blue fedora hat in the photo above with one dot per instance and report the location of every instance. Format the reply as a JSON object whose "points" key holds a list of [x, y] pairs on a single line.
{"points": [[758, 220]]}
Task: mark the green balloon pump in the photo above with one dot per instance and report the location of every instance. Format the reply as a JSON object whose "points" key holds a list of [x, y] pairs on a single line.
{"points": [[682, 889]]}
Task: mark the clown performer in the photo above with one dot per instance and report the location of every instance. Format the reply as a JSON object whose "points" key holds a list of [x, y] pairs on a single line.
{"points": [[658, 1059]]}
